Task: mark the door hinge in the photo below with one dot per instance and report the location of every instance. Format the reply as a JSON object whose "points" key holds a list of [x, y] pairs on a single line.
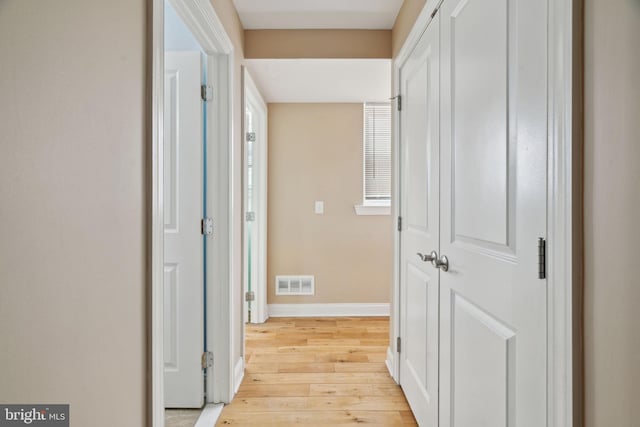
{"points": [[398, 98], [249, 296], [250, 216], [398, 344], [206, 226], [250, 137], [207, 360], [206, 92], [399, 223], [542, 258]]}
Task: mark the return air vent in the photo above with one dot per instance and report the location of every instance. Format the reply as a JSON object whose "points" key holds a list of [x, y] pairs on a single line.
{"points": [[295, 285]]}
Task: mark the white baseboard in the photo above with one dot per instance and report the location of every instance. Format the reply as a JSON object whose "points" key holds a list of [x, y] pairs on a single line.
{"points": [[209, 415], [238, 374], [328, 310], [391, 363]]}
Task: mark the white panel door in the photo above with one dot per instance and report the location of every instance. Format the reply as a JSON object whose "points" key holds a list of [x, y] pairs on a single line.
{"points": [[255, 201], [419, 139], [183, 247], [493, 210]]}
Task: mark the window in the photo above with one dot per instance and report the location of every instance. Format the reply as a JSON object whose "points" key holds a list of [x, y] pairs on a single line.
{"points": [[377, 154]]}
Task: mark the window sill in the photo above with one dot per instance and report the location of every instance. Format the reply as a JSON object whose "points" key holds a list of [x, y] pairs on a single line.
{"points": [[372, 210]]}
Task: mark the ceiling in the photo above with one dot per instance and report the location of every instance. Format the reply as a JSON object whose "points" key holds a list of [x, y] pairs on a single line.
{"points": [[317, 14], [322, 80]]}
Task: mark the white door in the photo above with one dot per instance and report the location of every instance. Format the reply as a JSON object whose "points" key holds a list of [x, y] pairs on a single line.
{"points": [[493, 210], [183, 242], [419, 135], [255, 202]]}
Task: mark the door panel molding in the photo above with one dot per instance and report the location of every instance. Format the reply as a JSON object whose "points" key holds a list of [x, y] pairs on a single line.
{"points": [[487, 368]]}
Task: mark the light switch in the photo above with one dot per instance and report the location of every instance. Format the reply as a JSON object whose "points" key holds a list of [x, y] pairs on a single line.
{"points": [[319, 207]]}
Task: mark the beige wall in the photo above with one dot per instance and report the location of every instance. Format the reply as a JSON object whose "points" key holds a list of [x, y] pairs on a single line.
{"points": [[72, 207], [612, 213], [404, 22], [228, 15], [315, 153], [317, 43]]}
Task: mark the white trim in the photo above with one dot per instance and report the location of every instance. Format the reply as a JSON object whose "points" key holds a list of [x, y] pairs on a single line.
{"points": [[329, 310], [372, 210], [390, 361], [209, 415], [156, 214], [560, 278], [220, 256], [238, 374], [251, 94], [560, 214], [200, 18]]}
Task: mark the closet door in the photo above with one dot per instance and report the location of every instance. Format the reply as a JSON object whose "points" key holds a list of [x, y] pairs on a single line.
{"points": [[493, 335], [419, 134]]}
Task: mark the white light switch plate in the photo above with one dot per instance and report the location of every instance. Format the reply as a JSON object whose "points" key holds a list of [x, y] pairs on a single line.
{"points": [[319, 207]]}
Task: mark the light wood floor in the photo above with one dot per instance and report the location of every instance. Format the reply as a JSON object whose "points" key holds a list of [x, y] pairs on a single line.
{"points": [[318, 372]]}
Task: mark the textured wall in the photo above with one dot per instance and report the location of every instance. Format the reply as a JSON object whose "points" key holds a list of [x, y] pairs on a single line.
{"points": [[611, 212], [72, 210], [315, 153], [317, 43], [404, 22]]}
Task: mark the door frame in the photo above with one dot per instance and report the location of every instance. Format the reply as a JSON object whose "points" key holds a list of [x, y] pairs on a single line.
{"points": [[251, 94], [200, 17], [564, 233]]}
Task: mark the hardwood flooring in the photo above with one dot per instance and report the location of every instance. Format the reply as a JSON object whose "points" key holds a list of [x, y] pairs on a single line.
{"points": [[318, 372]]}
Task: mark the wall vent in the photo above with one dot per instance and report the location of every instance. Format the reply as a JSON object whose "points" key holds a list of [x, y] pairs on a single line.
{"points": [[295, 285]]}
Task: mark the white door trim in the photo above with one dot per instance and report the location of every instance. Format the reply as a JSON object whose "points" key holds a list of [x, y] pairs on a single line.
{"points": [[201, 19], [251, 94], [563, 151], [562, 280]]}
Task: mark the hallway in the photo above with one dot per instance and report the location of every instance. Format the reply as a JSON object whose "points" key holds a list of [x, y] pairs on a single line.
{"points": [[318, 372]]}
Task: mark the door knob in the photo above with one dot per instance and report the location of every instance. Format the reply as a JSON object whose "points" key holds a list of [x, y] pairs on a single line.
{"points": [[442, 263], [433, 256]]}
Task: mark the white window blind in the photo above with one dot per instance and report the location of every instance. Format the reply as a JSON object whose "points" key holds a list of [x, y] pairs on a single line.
{"points": [[377, 153]]}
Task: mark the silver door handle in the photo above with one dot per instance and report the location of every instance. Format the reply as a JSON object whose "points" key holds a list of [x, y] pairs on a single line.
{"points": [[433, 256], [442, 263]]}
